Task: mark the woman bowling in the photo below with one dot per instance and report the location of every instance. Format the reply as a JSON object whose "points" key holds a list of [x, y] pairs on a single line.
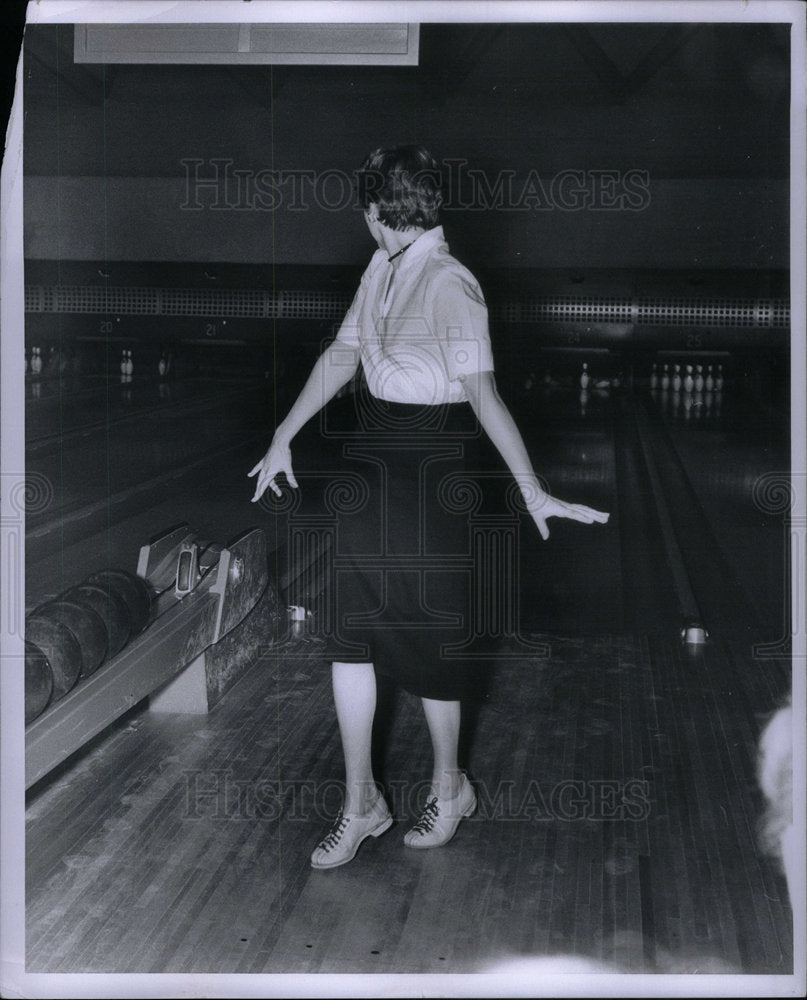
{"points": [[418, 327]]}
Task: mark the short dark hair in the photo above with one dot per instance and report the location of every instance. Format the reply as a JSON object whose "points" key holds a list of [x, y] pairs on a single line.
{"points": [[404, 182]]}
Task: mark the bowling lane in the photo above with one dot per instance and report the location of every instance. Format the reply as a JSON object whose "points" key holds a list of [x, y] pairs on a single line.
{"points": [[99, 470], [710, 457], [571, 583], [729, 446], [57, 408]]}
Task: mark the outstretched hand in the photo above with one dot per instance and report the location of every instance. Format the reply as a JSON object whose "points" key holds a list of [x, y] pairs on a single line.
{"points": [[545, 506], [277, 459]]}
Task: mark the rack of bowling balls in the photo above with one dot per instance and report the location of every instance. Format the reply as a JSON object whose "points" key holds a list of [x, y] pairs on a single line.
{"points": [[68, 638], [104, 645]]}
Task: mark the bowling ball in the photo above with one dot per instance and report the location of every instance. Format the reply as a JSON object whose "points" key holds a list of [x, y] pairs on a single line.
{"points": [[59, 645], [38, 682], [87, 627], [133, 589], [111, 608]]}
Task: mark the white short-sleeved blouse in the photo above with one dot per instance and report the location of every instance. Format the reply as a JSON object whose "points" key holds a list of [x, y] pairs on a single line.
{"points": [[417, 340]]}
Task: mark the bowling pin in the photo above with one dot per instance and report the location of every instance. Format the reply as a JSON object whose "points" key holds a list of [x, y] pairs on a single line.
{"points": [[654, 378], [129, 363], [710, 381], [583, 401], [161, 366], [665, 378], [36, 361], [676, 382], [719, 378], [584, 377], [123, 362], [689, 382], [699, 378]]}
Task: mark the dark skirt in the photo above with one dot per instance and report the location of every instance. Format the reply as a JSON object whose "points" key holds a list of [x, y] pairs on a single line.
{"points": [[403, 574]]}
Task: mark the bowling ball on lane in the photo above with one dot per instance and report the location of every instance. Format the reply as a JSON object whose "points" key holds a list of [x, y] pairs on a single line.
{"points": [[59, 645], [134, 591], [87, 627], [111, 608], [38, 682]]}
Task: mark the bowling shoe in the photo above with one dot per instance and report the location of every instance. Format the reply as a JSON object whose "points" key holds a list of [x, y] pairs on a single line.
{"points": [[347, 833], [439, 821]]}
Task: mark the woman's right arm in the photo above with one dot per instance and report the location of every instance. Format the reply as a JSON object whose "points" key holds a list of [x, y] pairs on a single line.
{"points": [[333, 369], [498, 424]]}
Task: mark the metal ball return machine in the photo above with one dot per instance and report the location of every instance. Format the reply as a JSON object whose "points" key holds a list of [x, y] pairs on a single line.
{"points": [[202, 591]]}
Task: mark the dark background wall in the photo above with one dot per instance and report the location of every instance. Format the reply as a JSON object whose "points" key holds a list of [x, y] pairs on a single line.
{"points": [[702, 111]]}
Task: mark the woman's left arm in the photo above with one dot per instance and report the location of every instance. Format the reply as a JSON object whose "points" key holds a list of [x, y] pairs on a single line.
{"points": [[498, 424]]}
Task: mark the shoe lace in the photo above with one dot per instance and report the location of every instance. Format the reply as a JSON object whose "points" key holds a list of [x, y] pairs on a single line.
{"points": [[428, 817], [335, 834]]}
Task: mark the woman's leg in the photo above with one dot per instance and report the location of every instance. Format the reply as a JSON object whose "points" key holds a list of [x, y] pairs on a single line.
{"points": [[364, 812], [443, 720], [452, 797], [354, 694]]}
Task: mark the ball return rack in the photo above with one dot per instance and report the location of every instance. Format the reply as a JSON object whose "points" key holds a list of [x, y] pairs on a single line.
{"points": [[202, 592]]}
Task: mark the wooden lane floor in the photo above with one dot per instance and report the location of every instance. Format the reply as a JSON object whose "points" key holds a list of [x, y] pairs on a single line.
{"points": [[736, 463], [84, 472], [67, 406], [617, 821]]}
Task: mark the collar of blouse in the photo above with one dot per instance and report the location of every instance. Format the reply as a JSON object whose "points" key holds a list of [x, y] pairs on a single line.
{"points": [[420, 246]]}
